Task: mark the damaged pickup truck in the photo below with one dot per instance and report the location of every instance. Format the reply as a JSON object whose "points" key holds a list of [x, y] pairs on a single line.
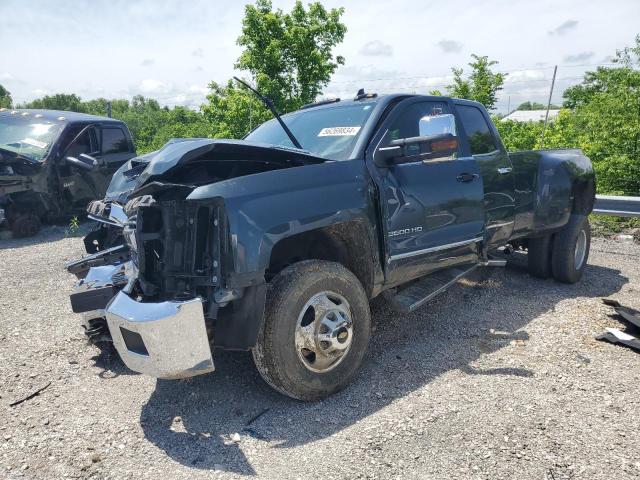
{"points": [[277, 242], [52, 163]]}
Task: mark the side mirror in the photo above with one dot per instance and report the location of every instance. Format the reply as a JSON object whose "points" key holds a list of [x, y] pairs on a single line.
{"points": [[83, 162], [437, 125], [415, 149]]}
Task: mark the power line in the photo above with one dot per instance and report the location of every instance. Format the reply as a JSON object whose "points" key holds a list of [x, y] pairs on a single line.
{"points": [[506, 72]]}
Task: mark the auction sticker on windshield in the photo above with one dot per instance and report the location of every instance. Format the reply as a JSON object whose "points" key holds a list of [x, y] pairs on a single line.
{"points": [[339, 132]]}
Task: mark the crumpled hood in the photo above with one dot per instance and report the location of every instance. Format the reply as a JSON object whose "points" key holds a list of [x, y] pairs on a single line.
{"points": [[178, 153], [11, 165], [17, 175]]}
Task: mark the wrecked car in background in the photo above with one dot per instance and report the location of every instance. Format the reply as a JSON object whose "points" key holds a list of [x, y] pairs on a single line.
{"points": [[52, 163], [276, 243]]}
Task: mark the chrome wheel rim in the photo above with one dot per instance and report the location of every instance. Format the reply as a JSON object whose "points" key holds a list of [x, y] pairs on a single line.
{"points": [[324, 332], [581, 250]]}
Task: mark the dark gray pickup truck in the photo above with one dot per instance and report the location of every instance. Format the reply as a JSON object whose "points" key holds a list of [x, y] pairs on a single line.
{"points": [[257, 244]]}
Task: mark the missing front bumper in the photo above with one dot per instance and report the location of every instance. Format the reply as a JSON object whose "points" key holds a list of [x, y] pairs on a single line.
{"points": [[164, 340]]}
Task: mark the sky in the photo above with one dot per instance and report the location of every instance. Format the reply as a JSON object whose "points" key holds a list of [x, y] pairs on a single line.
{"points": [[171, 50]]}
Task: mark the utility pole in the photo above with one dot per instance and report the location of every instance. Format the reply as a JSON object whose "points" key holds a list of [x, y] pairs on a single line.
{"points": [[546, 117], [109, 109]]}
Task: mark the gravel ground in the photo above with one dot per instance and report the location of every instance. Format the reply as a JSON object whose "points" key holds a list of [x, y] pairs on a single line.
{"points": [[498, 378]]}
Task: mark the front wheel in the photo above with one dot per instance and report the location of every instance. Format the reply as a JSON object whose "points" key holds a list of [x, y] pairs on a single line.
{"points": [[571, 249], [25, 224], [316, 330]]}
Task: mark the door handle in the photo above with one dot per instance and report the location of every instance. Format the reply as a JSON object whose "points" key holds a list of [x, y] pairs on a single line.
{"points": [[504, 170], [467, 177]]}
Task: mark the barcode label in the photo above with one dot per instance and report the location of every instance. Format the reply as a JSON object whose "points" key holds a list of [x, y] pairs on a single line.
{"points": [[339, 132]]}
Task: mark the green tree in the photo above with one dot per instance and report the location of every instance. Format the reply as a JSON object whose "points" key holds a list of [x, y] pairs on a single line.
{"points": [[60, 101], [179, 122], [288, 57], [606, 121], [536, 106], [482, 85], [519, 135], [602, 118], [5, 98], [233, 111], [606, 79]]}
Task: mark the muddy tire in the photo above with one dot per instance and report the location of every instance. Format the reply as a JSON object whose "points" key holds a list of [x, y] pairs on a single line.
{"points": [[570, 250], [25, 225], [315, 332], [539, 256]]}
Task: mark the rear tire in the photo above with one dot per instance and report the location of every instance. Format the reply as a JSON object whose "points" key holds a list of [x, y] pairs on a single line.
{"points": [[316, 330], [570, 250], [539, 256]]}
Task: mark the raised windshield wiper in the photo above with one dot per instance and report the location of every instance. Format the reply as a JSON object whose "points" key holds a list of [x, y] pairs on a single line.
{"points": [[269, 104]]}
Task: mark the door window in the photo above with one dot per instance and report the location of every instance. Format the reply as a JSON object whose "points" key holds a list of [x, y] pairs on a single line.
{"points": [[408, 124], [481, 139], [81, 144], [114, 141]]}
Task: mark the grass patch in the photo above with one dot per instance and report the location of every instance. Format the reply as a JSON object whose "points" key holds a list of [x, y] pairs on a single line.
{"points": [[604, 225]]}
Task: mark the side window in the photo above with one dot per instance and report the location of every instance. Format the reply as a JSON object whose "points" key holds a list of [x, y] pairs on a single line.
{"points": [[81, 144], [114, 141], [408, 122], [480, 137]]}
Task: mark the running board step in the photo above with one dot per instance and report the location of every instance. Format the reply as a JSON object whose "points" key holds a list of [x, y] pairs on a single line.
{"points": [[420, 292]]}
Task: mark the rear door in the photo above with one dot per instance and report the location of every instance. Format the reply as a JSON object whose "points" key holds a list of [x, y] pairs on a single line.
{"points": [[432, 211], [482, 143], [115, 149]]}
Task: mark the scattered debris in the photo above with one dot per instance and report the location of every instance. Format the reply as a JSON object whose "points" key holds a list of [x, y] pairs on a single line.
{"points": [[623, 237], [614, 335], [583, 359], [629, 314], [30, 396]]}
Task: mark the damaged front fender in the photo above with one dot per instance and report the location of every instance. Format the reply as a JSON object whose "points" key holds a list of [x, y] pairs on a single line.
{"points": [[263, 209]]}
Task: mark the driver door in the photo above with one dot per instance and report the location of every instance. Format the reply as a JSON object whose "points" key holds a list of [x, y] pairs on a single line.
{"points": [[432, 210], [78, 186]]}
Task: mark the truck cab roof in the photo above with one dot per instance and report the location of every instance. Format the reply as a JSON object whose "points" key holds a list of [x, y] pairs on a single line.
{"points": [[58, 116], [384, 99]]}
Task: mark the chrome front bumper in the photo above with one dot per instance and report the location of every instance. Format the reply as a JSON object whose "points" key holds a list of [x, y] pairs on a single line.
{"points": [[164, 340]]}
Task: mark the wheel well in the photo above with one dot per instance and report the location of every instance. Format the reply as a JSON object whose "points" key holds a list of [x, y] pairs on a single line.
{"points": [[345, 243]]}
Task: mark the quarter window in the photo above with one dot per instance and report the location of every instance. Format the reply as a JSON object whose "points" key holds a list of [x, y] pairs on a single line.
{"points": [[114, 141], [481, 139]]}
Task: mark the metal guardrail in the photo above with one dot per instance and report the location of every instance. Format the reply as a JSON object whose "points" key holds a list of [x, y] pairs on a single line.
{"points": [[617, 206]]}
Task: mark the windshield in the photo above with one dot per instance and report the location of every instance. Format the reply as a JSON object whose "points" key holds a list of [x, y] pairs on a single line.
{"points": [[28, 136], [329, 132]]}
